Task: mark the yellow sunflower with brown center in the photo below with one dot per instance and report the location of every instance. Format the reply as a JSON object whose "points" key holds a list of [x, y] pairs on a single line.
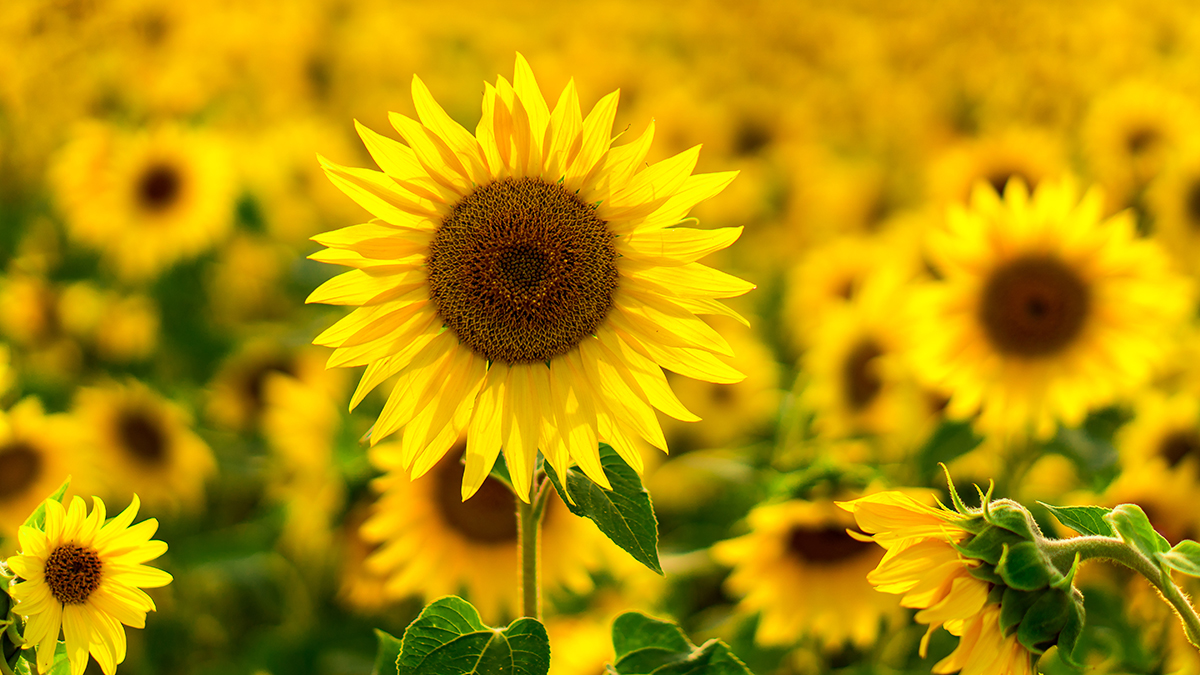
{"points": [[1045, 309]]}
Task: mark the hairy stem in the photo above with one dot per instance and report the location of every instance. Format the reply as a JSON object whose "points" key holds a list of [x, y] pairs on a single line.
{"points": [[529, 549], [1062, 553]]}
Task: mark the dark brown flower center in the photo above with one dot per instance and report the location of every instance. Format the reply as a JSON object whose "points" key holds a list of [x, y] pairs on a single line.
{"points": [[1033, 306], [522, 270], [860, 375], [20, 466], [1179, 445], [73, 573], [158, 187], [824, 545], [1141, 140], [1192, 204], [142, 436], [488, 517]]}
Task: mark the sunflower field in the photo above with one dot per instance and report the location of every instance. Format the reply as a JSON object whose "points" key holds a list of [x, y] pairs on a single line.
{"points": [[706, 338]]}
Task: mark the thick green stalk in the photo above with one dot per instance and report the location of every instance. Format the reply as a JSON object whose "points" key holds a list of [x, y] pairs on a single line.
{"points": [[1062, 553], [529, 548]]}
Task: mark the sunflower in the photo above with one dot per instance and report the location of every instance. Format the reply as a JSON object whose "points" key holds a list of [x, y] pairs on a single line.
{"points": [[84, 576], [432, 543], [144, 444], [237, 395], [858, 364], [37, 453], [1164, 432], [922, 563], [1174, 202], [806, 576], [144, 201], [1029, 154], [7, 376], [1045, 311], [827, 277], [525, 283]]}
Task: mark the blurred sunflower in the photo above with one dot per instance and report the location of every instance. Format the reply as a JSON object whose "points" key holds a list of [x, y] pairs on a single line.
{"points": [[84, 577], [1130, 135], [1028, 154], [7, 376], [144, 444], [37, 453], [828, 276], [1174, 201], [144, 201], [1164, 432], [858, 365], [1045, 310], [432, 543], [237, 394], [806, 576], [551, 259]]}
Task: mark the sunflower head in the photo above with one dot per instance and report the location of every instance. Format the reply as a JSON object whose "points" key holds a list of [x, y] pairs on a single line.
{"points": [[527, 283]]}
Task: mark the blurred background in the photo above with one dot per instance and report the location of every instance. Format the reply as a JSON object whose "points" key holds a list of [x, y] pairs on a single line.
{"points": [[159, 183]]}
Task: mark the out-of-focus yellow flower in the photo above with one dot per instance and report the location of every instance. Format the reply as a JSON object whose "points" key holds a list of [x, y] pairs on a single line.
{"points": [[1131, 134], [7, 376], [582, 645], [1174, 202], [83, 577], [828, 276], [1045, 310], [145, 200], [1164, 434], [432, 543], [806, 576], [1032, 155], [144, 443], [236, 397], [299, 421], [37, 453], [244, 283]]}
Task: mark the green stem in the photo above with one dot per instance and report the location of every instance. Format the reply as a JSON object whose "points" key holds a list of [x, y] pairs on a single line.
{"points": [[529, 550], [1062, 554]]}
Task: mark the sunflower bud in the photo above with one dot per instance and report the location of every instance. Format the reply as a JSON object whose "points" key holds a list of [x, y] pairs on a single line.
{"points": [[1038, 602]]}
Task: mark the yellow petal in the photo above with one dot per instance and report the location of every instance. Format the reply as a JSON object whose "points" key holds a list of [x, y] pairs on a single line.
{"points": [[359, 287], [566, 122], [694, 363], [676, 245], [526, 87], [483, 437], [692, 280], [694, 190], [463, 145], [396, 159], [595, 137], [382, 196]]}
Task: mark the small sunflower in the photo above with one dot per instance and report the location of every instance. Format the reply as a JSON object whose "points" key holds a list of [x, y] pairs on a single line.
{"points": [[433, 543], [37, 453], [827, 277], [1027, 154], [1045, 310], [83, 576], [1174, 201], [1164, 432], [923, 564], [144, 444], [806, 576], [145, 201], [237, 395], [526, 283]]}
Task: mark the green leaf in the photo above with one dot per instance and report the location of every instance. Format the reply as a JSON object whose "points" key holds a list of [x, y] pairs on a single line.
{"points": [[1134, 528], [387, 654], [38, 518], [1086, 520], [648, 646], [1184, 557], [500, 471], [1044, 621], [1024, 567], [952, 439], [624, 514], [448, 638], [61, 665]]}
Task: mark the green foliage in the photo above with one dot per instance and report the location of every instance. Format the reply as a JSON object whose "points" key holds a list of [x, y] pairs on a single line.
{"points": [[38, 518], [1184, 557], [1134, 528], [388, 656], [647, 646], [1086, 520], [952, 439], [624, 513], [448, 638], [1045, 619]]}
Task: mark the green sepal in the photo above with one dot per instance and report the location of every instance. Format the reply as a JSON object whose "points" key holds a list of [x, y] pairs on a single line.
{"points": [[1069, 636], [387, 654], [624, 514], [1013, 607], [448, 638], [954, 498], [37, 519], [988, 545], [1067, 582], [1086, 520], [1012, 517], [1183, 557], [648, 646], [985, 498], [986, 573], [1024, 567], [500, 471], [1134, 528], [1044, 621]]}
